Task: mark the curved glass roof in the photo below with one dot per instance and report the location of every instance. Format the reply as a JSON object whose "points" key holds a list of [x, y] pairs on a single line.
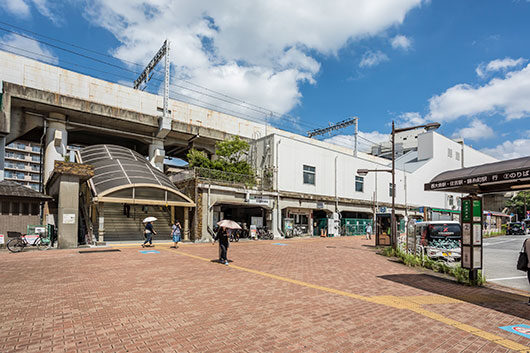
{"points": [[123, 174]]}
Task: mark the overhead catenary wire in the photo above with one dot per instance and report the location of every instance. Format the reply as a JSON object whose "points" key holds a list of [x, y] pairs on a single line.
{"points": [[230, 100], [133, 63]]}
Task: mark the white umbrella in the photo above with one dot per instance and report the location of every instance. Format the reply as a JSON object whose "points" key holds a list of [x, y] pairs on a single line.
{"points": [[228, 224], [149, 219]]}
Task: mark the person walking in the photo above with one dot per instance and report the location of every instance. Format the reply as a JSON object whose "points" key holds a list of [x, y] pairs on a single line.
{"points": [[526, 246], [368, 231], [176, 231], [149, 232], [222, 236]]}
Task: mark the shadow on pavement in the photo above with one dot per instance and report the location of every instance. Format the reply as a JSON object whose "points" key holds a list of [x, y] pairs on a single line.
{"points": [[509, 303]]}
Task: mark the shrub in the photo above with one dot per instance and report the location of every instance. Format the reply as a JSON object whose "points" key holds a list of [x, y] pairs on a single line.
{"points": [[461, 274]]}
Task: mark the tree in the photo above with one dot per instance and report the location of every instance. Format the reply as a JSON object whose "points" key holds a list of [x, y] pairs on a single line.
{"points": [[232, 158], [519, 204], [198, 159]]}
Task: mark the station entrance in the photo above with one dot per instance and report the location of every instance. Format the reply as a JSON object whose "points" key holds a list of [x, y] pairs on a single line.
{"points": [[124, 190]]}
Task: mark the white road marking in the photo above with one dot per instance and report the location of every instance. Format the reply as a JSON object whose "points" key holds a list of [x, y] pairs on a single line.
{"points": [[505, 278], [500, 242]]}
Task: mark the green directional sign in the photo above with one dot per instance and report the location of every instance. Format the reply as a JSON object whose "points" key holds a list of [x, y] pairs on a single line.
{"points": [[477, 210], [466, 210]]}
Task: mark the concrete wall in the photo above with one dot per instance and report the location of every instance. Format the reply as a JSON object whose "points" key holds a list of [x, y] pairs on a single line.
{"points": [[336, 170], [34, 74]]}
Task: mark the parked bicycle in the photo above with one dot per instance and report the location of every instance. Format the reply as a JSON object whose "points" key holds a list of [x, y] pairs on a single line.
{"points": [[19, 243], [264, 233], [234, 235]]}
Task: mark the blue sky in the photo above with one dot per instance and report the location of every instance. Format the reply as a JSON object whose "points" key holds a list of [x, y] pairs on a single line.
{"points": [[462, 63]]}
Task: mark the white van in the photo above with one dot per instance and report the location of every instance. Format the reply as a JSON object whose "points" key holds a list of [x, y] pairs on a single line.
{"points": [[436, 239]]}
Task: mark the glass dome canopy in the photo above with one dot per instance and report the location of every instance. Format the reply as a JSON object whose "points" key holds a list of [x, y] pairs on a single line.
{"points": [[124, 176]]}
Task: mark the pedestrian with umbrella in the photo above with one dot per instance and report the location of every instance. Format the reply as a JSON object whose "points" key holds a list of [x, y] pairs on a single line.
{"points": [[149, 231], [222, 236]]}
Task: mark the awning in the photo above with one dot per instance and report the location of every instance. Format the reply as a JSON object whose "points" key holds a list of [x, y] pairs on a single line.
{"points": [[124, 176], [510, 175]]}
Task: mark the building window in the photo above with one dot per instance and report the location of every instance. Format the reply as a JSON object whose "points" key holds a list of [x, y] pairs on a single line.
{"points": [[8, 174], [35, 168], [309, 175], [15, 208], [390, 189], [35, 187], [5, 207], [25, 208], [35, 209], [20, 156], [21, 146], [35, 158], [457, 156], [450, 199], [449, 153], [359, 184], [35, 148], [20, 175], [35, 177]]}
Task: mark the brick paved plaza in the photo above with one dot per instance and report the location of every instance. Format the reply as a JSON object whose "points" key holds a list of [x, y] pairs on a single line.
{"points": [[310, 295]]}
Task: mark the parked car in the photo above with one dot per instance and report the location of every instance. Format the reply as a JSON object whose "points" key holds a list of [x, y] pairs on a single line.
{"points": [[438, 239], [515, 228]]}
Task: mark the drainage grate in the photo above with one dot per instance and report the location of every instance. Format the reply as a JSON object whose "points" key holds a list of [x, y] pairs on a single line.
{"points": [[102, 250]]}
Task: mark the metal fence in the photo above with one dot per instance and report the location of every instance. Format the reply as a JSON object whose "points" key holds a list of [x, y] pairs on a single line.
{"points": [[220, 176], [355, 226]]}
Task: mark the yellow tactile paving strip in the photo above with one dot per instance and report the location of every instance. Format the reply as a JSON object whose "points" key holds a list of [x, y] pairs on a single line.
{"points": [[412, 303]]}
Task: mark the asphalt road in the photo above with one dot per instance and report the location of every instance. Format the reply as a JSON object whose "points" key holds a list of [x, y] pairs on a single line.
{"points": [[500, 259]]}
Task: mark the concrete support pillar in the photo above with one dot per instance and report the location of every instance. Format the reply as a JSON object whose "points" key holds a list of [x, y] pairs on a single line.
{"points": [[68, 212], [56, 141], [101, 228], [276, 226], [172, 214], [186, 225], [2, 156], [157, 154]]}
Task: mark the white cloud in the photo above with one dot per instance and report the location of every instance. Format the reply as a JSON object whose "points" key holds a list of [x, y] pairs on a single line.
{"points": [[510, 149], [477, 130], [365, 141], [27, 47], [411, 118], [263, 45], [371, 58], [21, 8], [508, 96], [48, 9], [16, 7], [401, 42], [498, 65]]}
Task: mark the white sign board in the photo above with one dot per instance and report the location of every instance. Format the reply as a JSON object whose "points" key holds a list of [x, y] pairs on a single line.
{"points": [[477, 234], [259, 200], [466, 234], [477, 257], [2, 239], [69, 218], [31, 238], [466, 256]]}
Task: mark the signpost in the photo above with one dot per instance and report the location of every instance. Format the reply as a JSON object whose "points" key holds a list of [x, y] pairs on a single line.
{"points": [[471, 222]]}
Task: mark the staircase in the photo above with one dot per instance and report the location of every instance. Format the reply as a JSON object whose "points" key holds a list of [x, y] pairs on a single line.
{"points": [[119, 227]]}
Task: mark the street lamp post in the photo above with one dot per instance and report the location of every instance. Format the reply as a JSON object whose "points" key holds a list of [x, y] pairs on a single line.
{"points": [[393, 226]]}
